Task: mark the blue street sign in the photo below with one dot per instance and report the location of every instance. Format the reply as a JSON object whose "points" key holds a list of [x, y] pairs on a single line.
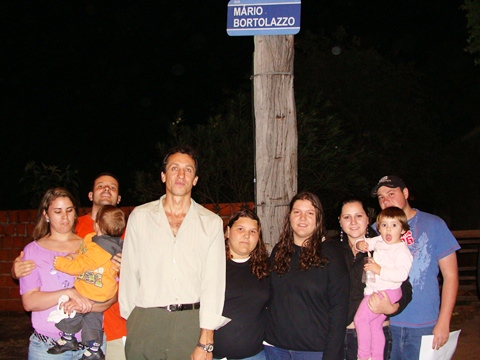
{"points": [[263, 17]]}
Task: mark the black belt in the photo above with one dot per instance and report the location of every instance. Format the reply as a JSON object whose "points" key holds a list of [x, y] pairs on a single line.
{"points": [[48, 340], [43, 338], [181, 307]]}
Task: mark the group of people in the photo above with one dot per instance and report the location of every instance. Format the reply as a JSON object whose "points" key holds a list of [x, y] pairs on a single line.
{"points": [[190, 290]]}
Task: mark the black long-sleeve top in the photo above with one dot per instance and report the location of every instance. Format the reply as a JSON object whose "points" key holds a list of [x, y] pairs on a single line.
{"points": [[308, 309], [246, 298]]}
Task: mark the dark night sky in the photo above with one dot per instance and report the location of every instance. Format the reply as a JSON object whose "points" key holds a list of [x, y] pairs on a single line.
{"points": [[94, 84]]}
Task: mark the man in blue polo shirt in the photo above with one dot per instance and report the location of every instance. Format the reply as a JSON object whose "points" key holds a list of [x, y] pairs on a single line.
{"points": [[433, 250]]}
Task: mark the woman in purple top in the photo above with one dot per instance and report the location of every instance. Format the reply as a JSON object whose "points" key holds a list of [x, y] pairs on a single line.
{"points": [[53, 236]]}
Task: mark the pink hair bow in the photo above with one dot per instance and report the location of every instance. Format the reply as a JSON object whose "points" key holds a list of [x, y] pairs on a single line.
{"points": [[407, 238]]}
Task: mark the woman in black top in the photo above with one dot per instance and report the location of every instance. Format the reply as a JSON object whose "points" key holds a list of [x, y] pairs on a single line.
{"points": [[354, 225], [247, 290], [307, 316]]}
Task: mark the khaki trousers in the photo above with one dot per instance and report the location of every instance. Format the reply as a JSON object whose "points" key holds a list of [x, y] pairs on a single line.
{"points": [[156, 334]]}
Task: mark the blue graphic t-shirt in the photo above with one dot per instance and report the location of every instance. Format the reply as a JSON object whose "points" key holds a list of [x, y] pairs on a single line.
{"points": [[433, 241]]}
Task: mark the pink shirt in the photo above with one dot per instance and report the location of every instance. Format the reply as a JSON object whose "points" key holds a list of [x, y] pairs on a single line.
{"points": [[45, 277]]}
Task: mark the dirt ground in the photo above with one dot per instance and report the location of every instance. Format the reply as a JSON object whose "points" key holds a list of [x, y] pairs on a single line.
{"points": [[15, 330], [467, 318]]}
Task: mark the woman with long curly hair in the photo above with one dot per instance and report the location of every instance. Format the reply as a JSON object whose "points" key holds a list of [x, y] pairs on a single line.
{"points": [[247, 290], [307, 316]]}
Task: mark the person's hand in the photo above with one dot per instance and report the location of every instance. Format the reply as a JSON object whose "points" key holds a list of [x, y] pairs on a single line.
{"points": [[71, 256], [21, 268], [77, 302], [362, 246], [372, 266], [200, 354], [117, 262], [440, 335], [69, 306], [381, 304]]}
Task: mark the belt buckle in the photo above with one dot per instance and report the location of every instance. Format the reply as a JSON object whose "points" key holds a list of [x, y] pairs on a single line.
{"points": [[175, 307]]}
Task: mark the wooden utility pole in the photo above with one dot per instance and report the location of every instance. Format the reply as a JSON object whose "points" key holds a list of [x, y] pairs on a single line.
{"points": [[275, 131]]}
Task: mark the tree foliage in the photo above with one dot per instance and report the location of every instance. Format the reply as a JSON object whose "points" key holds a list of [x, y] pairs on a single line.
{"points": [[384, 107], [329, 161], [359, 117], [472, 7], [225, 147], [37, 179]]}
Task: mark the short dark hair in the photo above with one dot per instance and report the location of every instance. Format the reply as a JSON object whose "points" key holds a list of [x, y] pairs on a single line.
{"points": [[106, 174], [182, 149], [111, 220]]}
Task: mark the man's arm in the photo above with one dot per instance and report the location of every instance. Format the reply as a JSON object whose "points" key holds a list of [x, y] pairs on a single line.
{"points": [[117, 262], [397, 273], [206, 337], [212, 293], [382, 305], [21, 267], [449, 268], [212, 287], [130, 278]]}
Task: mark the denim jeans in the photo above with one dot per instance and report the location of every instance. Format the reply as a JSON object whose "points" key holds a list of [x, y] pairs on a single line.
{"points": [[37, 350], [275, 353], [259, 356], [407, 341], [351, 344]]}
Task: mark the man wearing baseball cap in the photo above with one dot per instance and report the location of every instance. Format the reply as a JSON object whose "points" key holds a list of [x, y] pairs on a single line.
{"points": [[433, 250]]}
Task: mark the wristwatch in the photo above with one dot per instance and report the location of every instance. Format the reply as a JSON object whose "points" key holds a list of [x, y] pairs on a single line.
{"points": [[207, 347]]}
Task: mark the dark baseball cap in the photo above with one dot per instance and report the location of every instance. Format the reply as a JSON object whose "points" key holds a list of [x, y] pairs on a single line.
{"points": [[390, 181]]}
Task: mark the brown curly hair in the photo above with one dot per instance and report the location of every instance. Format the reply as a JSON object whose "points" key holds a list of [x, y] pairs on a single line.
{"points": [[311, 248], [259, 255]]}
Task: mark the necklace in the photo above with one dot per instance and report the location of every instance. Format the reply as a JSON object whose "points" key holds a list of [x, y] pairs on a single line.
{"points": [[352, 247], [354, 252]]}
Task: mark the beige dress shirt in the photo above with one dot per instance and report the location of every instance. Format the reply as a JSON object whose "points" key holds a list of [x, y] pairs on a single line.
{"points": [[159, 269]]}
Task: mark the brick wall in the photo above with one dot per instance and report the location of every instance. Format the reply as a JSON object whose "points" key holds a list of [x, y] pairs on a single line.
{"points": [[16, 228]]}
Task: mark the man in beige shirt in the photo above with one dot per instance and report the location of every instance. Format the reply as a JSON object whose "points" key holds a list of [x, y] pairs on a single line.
{"points": [[173, 270]]}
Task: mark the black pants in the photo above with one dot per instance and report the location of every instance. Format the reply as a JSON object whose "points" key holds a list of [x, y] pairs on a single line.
{"points": [[351, 344], [91, 325]]}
